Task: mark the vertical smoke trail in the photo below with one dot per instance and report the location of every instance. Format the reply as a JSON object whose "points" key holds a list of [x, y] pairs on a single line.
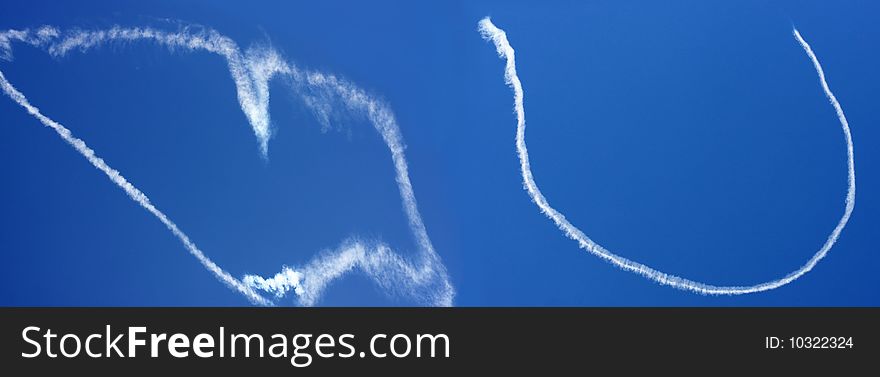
{"points": [[490, 32], [424, 279]]}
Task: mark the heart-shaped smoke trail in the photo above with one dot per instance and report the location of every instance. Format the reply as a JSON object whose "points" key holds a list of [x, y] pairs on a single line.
{"points": [[492, 33], [423, 279]]}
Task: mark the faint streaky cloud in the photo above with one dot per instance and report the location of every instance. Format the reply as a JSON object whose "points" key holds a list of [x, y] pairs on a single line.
{"points": [[33, 37], [422, 278], [499, 38]]}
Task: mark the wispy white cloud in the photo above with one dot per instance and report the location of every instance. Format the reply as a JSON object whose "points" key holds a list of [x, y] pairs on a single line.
{"points": [[32, 37], [499, 38], [422, 278]]}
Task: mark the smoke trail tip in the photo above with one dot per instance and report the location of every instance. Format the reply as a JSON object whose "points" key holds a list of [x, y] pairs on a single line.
{"points": [[264, 149], [486, 28]]}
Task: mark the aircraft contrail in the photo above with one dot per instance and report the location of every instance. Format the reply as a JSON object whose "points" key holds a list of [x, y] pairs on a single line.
{"points": [[492, 33], [424, 279], [129, 189]]}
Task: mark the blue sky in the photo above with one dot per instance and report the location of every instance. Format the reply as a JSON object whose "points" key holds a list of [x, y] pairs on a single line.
{"points": [[692, 136]]}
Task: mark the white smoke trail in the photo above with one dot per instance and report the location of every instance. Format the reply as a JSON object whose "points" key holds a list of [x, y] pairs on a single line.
{"points": [[424, 279], [129, 189], [490, 32]]}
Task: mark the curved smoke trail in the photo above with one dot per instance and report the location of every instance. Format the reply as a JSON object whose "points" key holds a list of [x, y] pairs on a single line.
{"points": [[424, 279], [490, 32]]}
